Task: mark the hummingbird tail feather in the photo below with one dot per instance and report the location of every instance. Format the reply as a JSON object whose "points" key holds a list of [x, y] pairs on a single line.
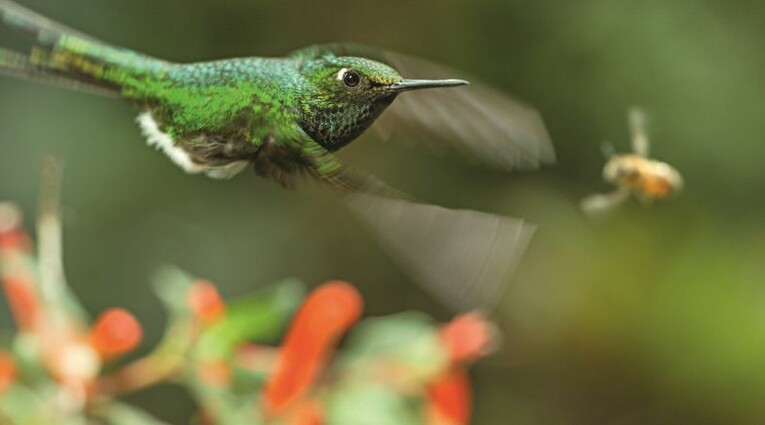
{"points": [[66, 57], [18, 65]]}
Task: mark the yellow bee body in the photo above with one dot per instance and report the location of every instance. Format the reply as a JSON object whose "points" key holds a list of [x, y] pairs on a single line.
{"points": [[634, 174], [646, 178]]}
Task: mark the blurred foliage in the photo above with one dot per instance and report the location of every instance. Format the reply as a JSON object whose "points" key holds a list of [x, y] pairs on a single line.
{"points": [[61, 367], [652, 316]]}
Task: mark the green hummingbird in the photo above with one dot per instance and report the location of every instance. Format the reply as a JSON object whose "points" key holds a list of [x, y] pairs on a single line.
{"points": [[286, 116]]}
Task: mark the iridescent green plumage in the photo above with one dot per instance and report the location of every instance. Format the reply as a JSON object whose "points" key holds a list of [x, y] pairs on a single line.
{"points": [[287, 116]]}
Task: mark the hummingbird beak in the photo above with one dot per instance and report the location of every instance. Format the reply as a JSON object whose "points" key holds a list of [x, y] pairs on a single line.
{"points": [[407, 85]]}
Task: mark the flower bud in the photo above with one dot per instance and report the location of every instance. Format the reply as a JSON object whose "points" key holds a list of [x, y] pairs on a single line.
{"points": [[7, 371], [116, 332], [205, 302], [469, 337]]}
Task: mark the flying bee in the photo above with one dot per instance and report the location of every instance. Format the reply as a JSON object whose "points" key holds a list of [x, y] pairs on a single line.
{"points": [[634, 173]]}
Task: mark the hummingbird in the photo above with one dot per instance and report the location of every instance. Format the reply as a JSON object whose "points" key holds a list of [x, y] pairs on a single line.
{"points": [[287, 117]]}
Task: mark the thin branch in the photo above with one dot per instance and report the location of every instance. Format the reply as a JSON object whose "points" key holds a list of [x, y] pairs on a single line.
{"points": [[142, 373], [52, 282]]}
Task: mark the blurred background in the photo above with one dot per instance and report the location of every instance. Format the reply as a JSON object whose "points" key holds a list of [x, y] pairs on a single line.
{"points": [[653, 316]]}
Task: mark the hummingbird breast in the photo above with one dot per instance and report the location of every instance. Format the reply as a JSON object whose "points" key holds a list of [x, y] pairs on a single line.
{"points": [[333, 127]]}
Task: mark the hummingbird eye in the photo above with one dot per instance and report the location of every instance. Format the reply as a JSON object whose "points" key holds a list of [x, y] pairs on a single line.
{"points": [[349, 77]]}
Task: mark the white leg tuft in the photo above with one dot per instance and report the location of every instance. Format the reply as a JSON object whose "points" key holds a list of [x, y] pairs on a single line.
{"points": [[163, 142]]}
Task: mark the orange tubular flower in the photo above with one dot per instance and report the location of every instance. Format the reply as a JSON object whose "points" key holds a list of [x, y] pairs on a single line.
{"points": [[17, 283], [14, 240], [449, 399], [12, 236], [307, 412], [7, 371], [205, 302], [468, 337], [116, 332], [327, 314], [23, 301]]}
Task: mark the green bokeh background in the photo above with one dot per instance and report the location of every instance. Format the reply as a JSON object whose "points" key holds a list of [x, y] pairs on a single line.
{"points": [[654, 316]]}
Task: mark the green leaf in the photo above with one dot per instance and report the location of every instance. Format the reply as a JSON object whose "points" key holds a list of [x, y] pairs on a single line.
{"points": [[123, 414], [21, 405], [260, 317], [18, 404], [408, 339], [225, 407], [369, 404], [26, 353]]}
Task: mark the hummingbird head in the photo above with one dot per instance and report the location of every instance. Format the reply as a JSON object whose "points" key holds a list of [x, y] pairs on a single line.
{"points": [[345, 95]]}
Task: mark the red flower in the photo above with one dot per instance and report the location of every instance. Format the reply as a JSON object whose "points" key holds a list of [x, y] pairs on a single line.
{"points": [[23, 301], [205, 301], [116, 332], [12, 237], [7, 371], [307, 412], [14, 240], [328, 312], [468, 337], [449, 399], [17, 283]]}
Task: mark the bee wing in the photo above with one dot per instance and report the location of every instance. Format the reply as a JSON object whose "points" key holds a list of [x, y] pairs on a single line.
{"points": [[598, 204], [475, 121], [638, 133], [463, 258], [607, 149]]}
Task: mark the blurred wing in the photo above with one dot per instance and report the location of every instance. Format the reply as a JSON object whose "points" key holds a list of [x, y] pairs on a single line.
{"points": [[464, 258], [601, 203], [607, 149], [353, 182], [638, 133], [474, 121]]}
